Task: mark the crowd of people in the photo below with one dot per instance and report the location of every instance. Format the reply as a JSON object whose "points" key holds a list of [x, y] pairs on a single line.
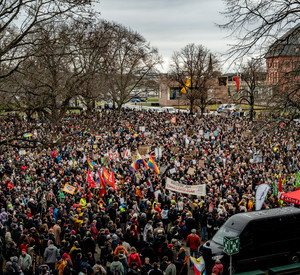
{"points": [[136, 226]]}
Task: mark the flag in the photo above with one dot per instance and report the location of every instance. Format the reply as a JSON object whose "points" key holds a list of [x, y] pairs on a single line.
{"points": [[111, 180], [275, 189], [97, 136], [28, 135], [237, 82], [139, 159], [199, 265], [89, 163], [74, 165], [84, 159], [280, 185], [90, 180], [78, 187], [186, 86], [152, 165], [149, 183], [102, 185], [106, 174], [133, 167], [297, 182], [111, 156], [126, 154]]}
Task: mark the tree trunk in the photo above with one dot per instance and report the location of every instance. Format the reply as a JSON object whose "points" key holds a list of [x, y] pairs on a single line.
{"points": [[191, 107], [202, 111], [251, 108], [90, 104]]}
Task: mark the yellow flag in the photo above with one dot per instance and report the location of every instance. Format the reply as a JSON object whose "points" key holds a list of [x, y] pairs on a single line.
{"points": [[186, 86]]}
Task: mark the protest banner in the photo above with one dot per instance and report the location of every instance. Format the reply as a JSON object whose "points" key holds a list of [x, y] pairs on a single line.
{"points": [[261, 194], [197, 190], [69, 189]]}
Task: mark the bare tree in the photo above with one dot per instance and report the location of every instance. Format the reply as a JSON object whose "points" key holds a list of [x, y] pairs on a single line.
{"points": [[19, 20], [51, 76], [130, 59], [253, 75], [257, 24], [261, 28], [196, 62]]}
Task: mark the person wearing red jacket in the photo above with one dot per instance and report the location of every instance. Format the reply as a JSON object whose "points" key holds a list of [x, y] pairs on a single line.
{"points": [[193, 242], [134, 257]]}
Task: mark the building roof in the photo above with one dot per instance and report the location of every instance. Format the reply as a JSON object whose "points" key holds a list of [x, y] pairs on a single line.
{"points": [[287, 45]]}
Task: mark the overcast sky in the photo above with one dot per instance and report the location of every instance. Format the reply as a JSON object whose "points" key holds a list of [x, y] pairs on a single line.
{"points": [[170, 25]]}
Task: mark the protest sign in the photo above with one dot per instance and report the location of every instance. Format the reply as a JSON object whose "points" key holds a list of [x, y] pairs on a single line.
{"points": [[69, 189], [201, 163], [191, 171], [198, 190], [144, 150], [172, 171]]}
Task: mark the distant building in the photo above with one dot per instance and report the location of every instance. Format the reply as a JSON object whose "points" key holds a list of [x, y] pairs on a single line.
{"points": [[170, 95], [283, 59]]}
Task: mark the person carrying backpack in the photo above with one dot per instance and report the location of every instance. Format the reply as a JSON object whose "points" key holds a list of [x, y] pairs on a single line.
{"points": [[116, 267]]}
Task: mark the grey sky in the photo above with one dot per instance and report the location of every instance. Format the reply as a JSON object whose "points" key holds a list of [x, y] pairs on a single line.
{"points": [[170, 25]]}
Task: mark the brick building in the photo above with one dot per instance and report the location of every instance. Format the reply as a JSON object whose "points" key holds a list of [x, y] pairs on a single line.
{"points": [[170, 95], [283, 60]]}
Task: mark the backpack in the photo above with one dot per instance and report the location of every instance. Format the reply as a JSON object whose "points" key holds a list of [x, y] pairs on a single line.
{"points": [[116, 271]]}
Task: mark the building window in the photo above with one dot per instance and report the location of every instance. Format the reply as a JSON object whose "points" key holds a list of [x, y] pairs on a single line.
{"points": [[174, 93]]}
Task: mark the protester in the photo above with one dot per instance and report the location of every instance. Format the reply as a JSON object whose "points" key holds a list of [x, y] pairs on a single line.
{"points": [[87, 199]]}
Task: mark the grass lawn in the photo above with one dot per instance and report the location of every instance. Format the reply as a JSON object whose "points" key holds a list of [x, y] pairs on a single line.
{"points": [[152, 99]]}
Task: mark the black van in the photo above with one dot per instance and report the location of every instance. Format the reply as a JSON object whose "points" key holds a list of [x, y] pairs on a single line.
{"points": [[266, 236]]}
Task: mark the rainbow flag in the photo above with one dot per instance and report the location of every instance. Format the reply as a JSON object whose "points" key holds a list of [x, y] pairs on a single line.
{"points": [[89, 163], [133, 167], [152, 165], [139, 159], [199, 266], [28, 135]]}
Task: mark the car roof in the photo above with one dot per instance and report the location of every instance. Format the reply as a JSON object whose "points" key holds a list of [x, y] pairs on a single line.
{"points": [[239, 221]]}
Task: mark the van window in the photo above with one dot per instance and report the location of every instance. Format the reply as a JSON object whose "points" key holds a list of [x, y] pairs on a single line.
{"points": [[224, 231]]}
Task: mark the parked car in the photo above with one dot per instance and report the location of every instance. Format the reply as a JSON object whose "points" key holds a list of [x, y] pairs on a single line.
{"points": [[225, 108], [221, 108], [135, 100], [169, 109]]}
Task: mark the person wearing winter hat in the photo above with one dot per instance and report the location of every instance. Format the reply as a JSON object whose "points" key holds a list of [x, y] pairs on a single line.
{"points": [[25, 262]]}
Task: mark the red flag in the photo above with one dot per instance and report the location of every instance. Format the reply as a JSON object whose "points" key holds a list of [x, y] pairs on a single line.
{"points": [[102, 185], [78, 187], [106, 174], [111, 180], [280, 185], [90, 195], [90, 180], [237, 82]]}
